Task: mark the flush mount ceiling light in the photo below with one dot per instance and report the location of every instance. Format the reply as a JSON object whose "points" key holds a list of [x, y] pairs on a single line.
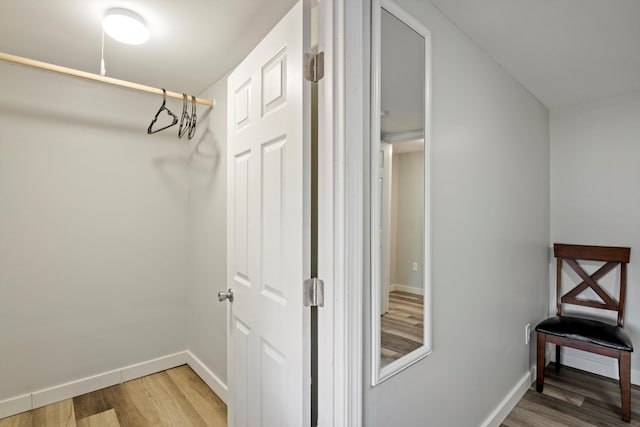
{"points": [[125, 26]]}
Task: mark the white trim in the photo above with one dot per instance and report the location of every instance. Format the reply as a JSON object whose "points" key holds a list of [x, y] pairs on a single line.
{"points": [[408, 289], [331, 377], [37, 399], [211, 379], [349, 208], [340, 215], [510, 401], [380, 373], [71, 389], [403, 136], [15, 405], [149, 367], [57, 393]]}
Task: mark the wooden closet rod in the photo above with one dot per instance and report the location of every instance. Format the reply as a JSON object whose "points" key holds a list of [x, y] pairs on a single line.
{"points": [[97, 77]]}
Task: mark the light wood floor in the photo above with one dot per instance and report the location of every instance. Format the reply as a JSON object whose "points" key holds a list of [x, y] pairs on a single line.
{"points": [[176, 397], [402, 326], [573, 398]]}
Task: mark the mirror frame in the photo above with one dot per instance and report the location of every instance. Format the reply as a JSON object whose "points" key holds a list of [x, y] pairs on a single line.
{"points": [[380, 373]]}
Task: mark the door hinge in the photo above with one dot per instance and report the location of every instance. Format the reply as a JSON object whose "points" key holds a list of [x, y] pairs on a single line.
{"points": [[314, 66], [313, 291]]}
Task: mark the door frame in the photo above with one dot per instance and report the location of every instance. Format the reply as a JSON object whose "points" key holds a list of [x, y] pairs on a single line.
{"points": [[342, 97]]}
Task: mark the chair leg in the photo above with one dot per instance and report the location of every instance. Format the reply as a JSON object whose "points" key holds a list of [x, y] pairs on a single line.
{"points": [[541, 346], [558, 357], [624, 365], [619, 374]]}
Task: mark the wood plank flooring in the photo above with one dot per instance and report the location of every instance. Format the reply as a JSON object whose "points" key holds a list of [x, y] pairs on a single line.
{"points": [[103, 419], [402, 326], [573, 398], [176, 397]]}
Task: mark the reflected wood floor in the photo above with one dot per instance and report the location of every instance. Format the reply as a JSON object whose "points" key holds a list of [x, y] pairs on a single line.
{"points": [[573, 398], [176, 397], [402, 326]]}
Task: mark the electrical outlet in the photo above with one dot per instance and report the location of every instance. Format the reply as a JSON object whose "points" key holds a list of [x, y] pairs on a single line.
{"points": [[415, 266], [527, 333]]}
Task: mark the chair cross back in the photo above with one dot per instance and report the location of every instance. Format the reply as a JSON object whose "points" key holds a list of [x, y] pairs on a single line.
{"points": [[588, 334], [612, 256]]}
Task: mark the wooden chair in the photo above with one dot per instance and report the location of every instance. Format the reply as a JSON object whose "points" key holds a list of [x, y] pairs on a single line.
{"points": [[586, 334]]}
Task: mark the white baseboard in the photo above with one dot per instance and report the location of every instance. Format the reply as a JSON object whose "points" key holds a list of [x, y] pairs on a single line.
{"points": [[39, 398], [510, 400], [608, 367], [15, 405], [155, 365], [408, 289], [214, 383], [75, 388]]}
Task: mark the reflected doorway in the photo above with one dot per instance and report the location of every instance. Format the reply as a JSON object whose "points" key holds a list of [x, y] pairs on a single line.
{"points": [[401, 248]]}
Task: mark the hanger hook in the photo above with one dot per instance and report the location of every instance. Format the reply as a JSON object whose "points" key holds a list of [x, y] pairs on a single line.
{"points": [[192, 127], [185, 120], [162, 108]]}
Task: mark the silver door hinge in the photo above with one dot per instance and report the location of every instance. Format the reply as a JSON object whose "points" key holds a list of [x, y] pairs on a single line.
{"points": [[313, 292], [314, 66]]}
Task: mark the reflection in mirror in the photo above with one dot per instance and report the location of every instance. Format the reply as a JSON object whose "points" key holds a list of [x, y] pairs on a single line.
{"points": [[402, 321], [400, 230]]}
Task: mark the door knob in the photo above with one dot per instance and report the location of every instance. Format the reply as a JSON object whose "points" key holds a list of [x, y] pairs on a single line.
{"points": [[226, 295]]}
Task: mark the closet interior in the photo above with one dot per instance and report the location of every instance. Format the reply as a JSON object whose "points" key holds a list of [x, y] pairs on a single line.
{"points": [[113, 194]]}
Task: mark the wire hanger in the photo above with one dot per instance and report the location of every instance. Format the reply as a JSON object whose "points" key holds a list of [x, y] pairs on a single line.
{"points": [[185, 120], [192, 127], [162, 108]]}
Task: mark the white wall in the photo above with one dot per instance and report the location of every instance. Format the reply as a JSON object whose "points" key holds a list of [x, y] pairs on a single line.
{"points": [[206, 321], [490, 232], [595, 198], [93, 230], [408, 193]]}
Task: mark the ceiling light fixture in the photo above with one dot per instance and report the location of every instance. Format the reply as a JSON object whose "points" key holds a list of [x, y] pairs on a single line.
{"points": [[125, 26]]}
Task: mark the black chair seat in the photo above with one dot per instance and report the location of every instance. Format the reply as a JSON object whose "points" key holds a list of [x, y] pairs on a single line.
{"points": [[586, 334], [587, 330]]}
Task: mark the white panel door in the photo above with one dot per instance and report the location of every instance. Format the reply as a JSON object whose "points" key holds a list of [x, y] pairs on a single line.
{"points": [[268, 244]]}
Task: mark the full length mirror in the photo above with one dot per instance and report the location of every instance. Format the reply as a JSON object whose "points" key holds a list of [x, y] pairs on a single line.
{"points": [[399, 191]]}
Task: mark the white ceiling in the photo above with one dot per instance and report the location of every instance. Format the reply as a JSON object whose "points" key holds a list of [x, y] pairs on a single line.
{"points": [[193, 42], [563, 51], [402, 78]]}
